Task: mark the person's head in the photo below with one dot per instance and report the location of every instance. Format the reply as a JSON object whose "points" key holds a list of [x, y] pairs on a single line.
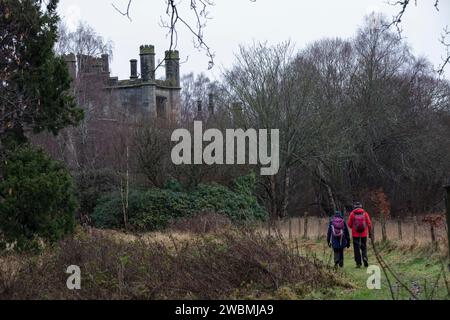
{"points": [[357, 205], [338, 213]]}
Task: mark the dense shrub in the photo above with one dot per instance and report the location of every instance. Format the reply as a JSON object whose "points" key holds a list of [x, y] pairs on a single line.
{"points": [[153, 209], [160, 206], [38, 201], [91, 185], [147, 210], [236, 205]]}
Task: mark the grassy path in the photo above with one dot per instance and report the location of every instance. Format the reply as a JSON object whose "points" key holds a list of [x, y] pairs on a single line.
{"points": [[419, 268]]}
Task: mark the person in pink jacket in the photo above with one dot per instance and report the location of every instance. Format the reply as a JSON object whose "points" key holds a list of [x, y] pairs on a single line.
{"points": [[361, 225]]}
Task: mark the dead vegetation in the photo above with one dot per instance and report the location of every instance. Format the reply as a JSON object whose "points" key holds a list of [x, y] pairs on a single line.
{"points": [[230, 264], [201, 223]]}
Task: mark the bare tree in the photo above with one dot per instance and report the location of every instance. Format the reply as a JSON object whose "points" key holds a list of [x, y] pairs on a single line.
{"points": [[354, 116], [397, 20], [276, 90], [83, 41], [152, 143]]}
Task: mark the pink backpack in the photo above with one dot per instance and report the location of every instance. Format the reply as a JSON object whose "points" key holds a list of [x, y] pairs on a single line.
{"points": [[337, 227], [360, 222]]}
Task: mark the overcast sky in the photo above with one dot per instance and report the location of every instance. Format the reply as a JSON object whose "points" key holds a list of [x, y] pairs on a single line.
{"points": [[235, 22]]}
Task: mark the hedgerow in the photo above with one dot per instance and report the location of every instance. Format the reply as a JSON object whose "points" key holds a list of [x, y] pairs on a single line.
{"points": [[154, 209]]}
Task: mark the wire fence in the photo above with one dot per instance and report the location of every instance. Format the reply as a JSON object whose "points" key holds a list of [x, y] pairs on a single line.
{"points": [[407, 230]]}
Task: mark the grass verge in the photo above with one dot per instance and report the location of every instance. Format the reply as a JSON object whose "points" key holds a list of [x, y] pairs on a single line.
{"points": [[420, 268]]}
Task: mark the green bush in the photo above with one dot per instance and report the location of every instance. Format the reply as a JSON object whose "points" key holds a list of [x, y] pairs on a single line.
{"points": [[147, 210], [160, 206], [91, 185], [153, 209], [38, 201], [236, 205]]}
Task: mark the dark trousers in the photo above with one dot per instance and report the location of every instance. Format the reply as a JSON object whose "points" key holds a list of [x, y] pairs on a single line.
{"points": [[360, 248], [339, 257]]}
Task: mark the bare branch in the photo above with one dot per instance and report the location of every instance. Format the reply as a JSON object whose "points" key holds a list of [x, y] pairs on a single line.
{"points": [[446, 43], [397, 19], [199, 9], [125, 13]]}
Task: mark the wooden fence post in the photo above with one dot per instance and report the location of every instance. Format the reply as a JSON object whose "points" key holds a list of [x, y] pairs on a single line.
{"points": [[305, 226], [299, 226], [447, 204], [290, 228], [372, 232], [318, 228], [399, 225], [414, 228], [433, 237]]}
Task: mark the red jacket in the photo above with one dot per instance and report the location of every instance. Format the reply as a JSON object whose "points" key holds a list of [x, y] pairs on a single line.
{"points": [[353, 227]]}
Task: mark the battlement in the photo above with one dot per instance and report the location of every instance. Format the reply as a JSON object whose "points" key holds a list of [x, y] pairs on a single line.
{"points": [[140, 93], [147, 49], [172, 55], [148, 66]]}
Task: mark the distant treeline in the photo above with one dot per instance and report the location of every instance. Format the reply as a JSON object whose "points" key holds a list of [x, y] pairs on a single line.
{"points": [[358, 118]]}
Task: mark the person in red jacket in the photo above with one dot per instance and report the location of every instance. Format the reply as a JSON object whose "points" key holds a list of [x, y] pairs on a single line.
{"points": [[361, 225]]}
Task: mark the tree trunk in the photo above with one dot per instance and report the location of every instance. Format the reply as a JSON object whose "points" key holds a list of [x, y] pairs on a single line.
{"points": [[331, 198], [399, 226], [383, 229], [327, 187], [273, 189], [287, 182], [125, 190]]}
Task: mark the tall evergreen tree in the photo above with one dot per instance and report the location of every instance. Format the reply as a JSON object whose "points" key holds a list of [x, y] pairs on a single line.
{"points": [[37, 200], [34, 82]]}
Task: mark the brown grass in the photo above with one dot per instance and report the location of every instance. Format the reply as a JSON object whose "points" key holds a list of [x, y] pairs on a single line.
{"points": [[230, 264], [201, 223]]}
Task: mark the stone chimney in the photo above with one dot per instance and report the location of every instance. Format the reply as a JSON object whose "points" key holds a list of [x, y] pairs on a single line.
{"points": [[71, 62], [211, 103], [236, 109], [172, 59], [147, 54], [199, 115], [105, 63], [133, 69]]}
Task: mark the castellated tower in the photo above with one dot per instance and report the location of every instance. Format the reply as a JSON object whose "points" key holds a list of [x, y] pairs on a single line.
{"points": [[71, 62], [147, 54], [172, 59], [139, 96], [143, 94]]}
